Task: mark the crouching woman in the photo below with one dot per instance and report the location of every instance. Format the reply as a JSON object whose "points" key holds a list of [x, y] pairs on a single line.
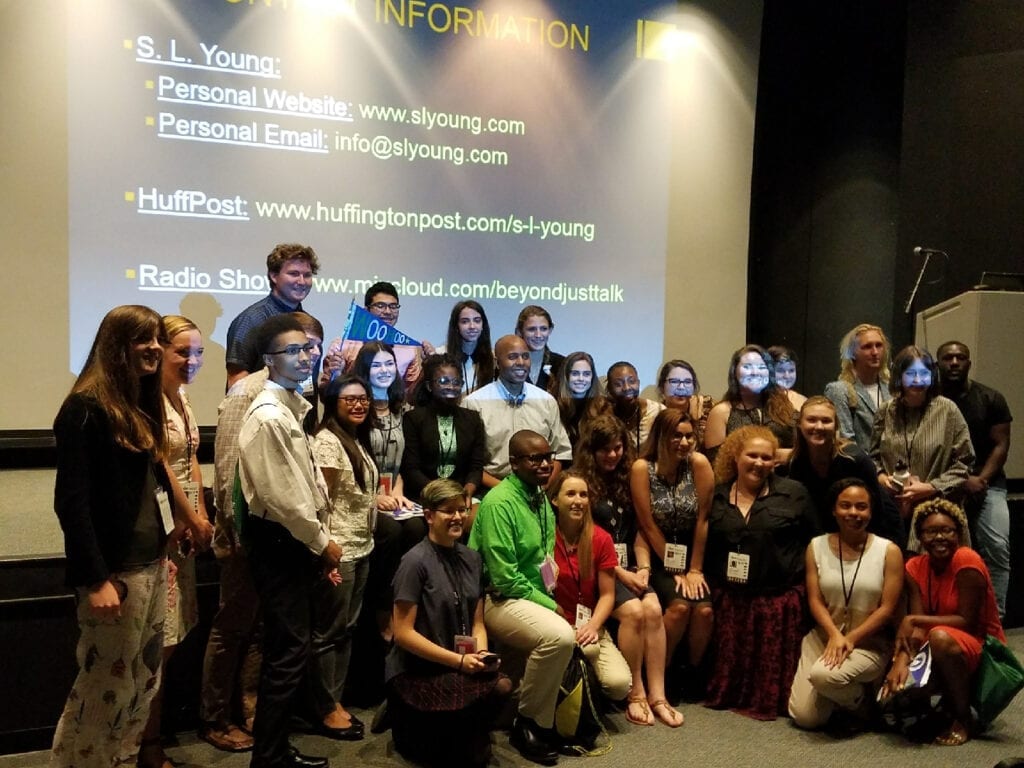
{"points": [[441, 679]]}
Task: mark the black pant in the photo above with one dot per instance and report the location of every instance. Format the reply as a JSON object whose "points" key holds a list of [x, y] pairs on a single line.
{"points": [[284, 571]]}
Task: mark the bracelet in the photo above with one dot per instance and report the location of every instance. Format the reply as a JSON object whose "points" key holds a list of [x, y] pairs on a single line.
{"points": [[694, 570], [643, 568], [462, 661]]}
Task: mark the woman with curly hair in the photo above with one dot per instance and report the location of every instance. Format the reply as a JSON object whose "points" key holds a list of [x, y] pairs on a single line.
{"points": [[759, 529], [952, 608], [604, 458], [863, 382], [752, 398]]}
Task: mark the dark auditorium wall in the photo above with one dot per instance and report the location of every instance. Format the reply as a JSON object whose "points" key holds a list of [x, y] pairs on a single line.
{"points": [[824, 209], [881, 126]]}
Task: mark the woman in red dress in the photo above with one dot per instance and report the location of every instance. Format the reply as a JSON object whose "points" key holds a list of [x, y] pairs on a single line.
{"points": [[952, 608]]}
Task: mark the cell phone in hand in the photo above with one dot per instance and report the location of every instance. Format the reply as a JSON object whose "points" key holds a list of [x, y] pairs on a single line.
{"points": [[490, 660]]}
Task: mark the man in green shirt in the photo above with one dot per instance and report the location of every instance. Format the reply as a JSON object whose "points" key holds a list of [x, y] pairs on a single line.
{"points": [[514, 532]]}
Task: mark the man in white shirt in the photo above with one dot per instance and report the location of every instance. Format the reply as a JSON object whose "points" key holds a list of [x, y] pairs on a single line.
{"points": [[511, 404], [285, 538]]}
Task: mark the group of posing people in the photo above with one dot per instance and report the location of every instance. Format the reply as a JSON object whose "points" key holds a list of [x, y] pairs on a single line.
{"points": [[437, 491]]}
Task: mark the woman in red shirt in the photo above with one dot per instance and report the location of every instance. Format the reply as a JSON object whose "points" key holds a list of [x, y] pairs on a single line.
{"points": [[585, 591], [952, 608]]}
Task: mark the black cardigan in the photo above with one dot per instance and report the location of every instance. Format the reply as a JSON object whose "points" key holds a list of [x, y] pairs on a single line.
{"points": [[98, 491]]}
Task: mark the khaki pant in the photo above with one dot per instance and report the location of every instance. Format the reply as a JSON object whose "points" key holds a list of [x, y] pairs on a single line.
{"points": [[547, 638], [818, 690]]}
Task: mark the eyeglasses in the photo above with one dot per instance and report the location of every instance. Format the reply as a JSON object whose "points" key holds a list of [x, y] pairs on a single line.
{"points": [[457, 511], [351, 400], [537, 458], [448, 381], [293, 349], [386, 306], [932, 533], [684, 384]]}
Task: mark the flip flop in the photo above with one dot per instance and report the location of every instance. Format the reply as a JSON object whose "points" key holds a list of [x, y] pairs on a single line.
{"points": [[648, 719], [657, 708]]}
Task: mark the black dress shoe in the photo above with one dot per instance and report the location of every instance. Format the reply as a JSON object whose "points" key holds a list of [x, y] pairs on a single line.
{"points": [[352, 733], [527, 737], [296, 759], [356, 722]]}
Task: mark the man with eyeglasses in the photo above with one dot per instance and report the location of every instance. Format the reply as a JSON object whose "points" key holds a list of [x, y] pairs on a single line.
{"points": [[290, 270], [232, 652], [514, 532], [381, 300], [988, 419], [286, 541], [510, 404]]}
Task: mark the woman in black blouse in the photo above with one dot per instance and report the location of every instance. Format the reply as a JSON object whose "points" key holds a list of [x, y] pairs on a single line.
{"points": [[759, 528], [442, 439]]}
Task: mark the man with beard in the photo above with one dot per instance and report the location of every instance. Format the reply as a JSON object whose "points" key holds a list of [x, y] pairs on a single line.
{"points": [[510, 404], [515, 534], [988, 419]]}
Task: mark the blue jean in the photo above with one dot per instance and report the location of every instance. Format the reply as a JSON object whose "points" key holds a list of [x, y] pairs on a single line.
{"points": [[992, 541]]}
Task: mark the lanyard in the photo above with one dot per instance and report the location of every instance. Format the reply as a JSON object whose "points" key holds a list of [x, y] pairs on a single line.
{"points": [[537, 505], [461, 610], [908, 443], [842, 575]]}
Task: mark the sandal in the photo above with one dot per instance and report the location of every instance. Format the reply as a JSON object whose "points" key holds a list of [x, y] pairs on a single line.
{"points": [[227, 739], [647, 719], [953, 736], [657, 707]]}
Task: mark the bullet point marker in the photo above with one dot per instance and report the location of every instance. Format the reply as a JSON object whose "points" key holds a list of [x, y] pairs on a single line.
{"points": [[130, 274], [129, 197], [150, 85], [127, 44], [150, 121]]}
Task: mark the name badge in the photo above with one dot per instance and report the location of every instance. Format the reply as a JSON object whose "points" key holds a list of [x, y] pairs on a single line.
{"points": [[737, 569], [549, 573], [465, 644], [191, 489], [583, 615], [620, 553], [675, 558], [166, 518]]}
